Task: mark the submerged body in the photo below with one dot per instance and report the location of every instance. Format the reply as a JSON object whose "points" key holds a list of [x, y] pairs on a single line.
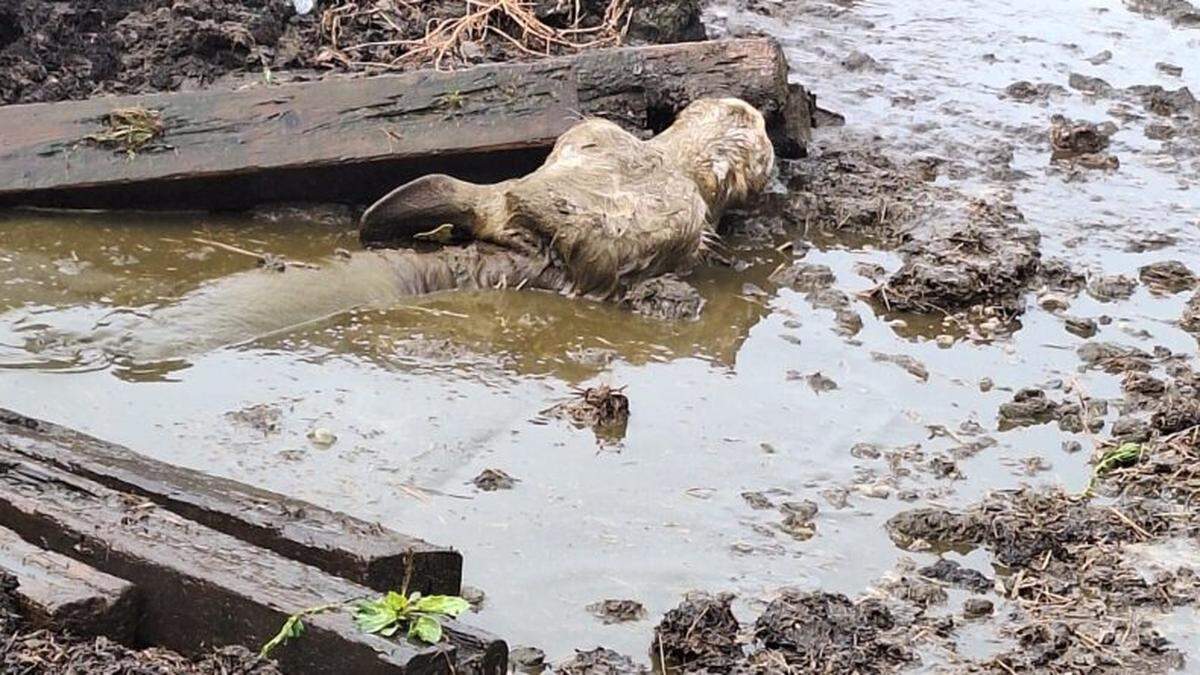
{"points": [[608, 208], [605, 211]]}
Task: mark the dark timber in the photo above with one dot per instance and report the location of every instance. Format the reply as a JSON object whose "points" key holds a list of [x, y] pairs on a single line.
{"points": [[64, 594], [354, 549], [353, 140], [201, 588]]}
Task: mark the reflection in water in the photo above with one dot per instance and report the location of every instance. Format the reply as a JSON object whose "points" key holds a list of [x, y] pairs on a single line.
{"points": [[150, 298]]}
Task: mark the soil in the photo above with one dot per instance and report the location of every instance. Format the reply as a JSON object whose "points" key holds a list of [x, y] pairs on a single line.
{"points": [[53, 51], [617, 611], [44, 652], [926, 230], [603, 408], [490, 480]]}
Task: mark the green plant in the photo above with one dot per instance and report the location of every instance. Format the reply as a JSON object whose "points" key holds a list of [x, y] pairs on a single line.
{"points": [[1124, 455], [420, 614], [293, 627], [386, 616]]}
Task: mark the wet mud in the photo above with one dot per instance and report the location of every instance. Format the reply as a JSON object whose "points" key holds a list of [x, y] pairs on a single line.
{"points": [[53, 51], [957, 322]]}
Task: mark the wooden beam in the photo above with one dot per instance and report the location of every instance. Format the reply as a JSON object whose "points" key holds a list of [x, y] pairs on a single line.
{"points": [[366, 553], [352, 140], [201, 588], [64, 594]]}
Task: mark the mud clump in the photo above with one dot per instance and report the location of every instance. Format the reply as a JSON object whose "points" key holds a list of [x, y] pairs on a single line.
{"points": [[600, 661], [1089, 85], [1025, 526], [825, 632], [1080, 143], [1026, 91], [952, 573], [666, 298], [1168, 276], [1190, 319], [602, 408], [1113, 358], [1112, 287], [1031, 407], [617, 611], [491, 480], [804, 277], [701, 634], [986, 261]]}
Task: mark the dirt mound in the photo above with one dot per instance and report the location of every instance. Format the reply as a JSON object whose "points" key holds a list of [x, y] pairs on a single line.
{"points": [[825, 632], [53, 51], [701, 634], [1021, 527]]}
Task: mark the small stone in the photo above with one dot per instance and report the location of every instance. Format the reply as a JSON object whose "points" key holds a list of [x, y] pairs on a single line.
{"points": [[322, 437], [986, 384], [806, 509], [945, 341], [1054, 302], [821, 384], [1084, 328], [974, 608], [1169, 68], [527, 657]]}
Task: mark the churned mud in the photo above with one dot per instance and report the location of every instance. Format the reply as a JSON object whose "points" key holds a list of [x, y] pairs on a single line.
{"points": [[52, 51], [935, 411]]}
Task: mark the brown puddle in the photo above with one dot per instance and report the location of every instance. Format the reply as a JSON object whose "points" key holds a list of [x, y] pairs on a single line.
{"points": [[423, 397]]}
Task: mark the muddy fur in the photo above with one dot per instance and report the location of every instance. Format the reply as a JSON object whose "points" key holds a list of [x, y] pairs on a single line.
{"points": [[608, 209]]}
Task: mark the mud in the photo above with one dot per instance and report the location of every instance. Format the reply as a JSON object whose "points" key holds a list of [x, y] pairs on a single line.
{"points": [[930, 223], [52, 51], [50, 653], [490, 480], [617, 611]]}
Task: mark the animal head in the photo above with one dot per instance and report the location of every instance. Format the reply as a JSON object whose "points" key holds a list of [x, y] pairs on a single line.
{"points": [[724, 146]]}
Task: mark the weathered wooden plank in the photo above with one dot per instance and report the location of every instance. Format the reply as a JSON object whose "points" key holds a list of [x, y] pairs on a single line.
{"points": [[217, 133], [202, 588], [58, 592], [352, 140], [363, 552]]}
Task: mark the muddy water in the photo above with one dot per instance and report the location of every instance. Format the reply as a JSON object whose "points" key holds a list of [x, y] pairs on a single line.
{"points": [[424, 396]]}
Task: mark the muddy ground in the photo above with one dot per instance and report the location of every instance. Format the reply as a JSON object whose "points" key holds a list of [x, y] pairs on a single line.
{"points": [[53, 51], [938, 416]]}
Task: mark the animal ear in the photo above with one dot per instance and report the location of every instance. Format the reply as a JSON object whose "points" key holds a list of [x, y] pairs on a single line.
{"points": [[422, 206]]}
